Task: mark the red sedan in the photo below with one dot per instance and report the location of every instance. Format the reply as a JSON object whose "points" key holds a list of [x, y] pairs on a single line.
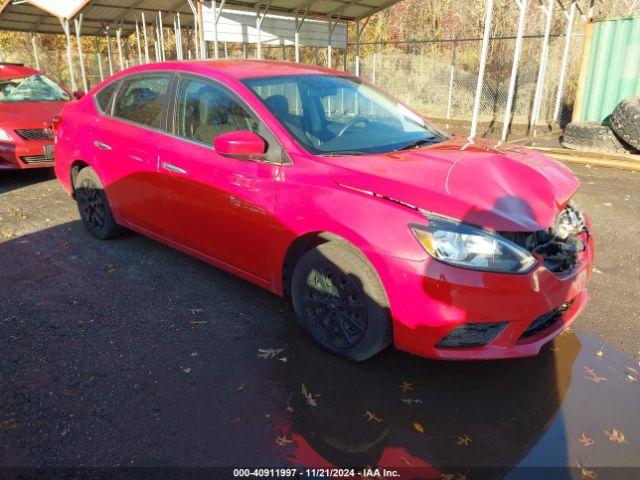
{"points": [[28, 102], [312, 183]]}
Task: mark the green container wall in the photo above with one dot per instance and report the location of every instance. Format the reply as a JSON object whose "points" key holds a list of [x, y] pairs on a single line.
{"points": [[614, 67]]}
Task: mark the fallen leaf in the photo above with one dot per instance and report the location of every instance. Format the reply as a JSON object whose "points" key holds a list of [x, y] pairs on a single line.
{"points": [[464, 441], [406, 387], [198, 322], [411, 401], [554, 349], [372, 417], [186, 370], [634, 371], [196, 311], [599, 354], [290, 409], [418, 427], [586, 473], [283, 359], [586, 441], [268, 353], [68, 393], [283, 440], [8, 426], [311, 401], [593, 376], [193, 354], [236, 420], [406, 461], [615, 435], [631, 378], [111, 268], [240, 387]]}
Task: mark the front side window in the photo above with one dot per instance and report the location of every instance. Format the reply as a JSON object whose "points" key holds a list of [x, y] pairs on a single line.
{"points": [[330, 115], [140, 99], [204, 111], [35, 88]]}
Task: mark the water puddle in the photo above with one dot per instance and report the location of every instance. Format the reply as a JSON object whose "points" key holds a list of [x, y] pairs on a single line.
{"points": [[575, 405]]}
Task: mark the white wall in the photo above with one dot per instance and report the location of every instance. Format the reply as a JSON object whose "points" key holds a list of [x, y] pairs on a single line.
{"points": [[240, 26]]}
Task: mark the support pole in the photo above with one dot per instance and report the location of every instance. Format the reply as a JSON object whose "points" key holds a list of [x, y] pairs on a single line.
{"points": [[451, 78], [203, 45], [542, 70], [483, 63], [196, 28], [329, 47], [359, 31], [179, 32], [138, 42], [77, 22], [296, 36], [36, 59], [146, 41], [156, 41], [216, 17], [99, 59], [226, 51], [119, 44], [161, 36], [565, 57], [522, 5], [67, 33], [259, 19], [109, 56]]}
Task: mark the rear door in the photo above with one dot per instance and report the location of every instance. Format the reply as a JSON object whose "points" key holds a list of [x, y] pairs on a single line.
{"points": [[216, 205], [125, 146]]}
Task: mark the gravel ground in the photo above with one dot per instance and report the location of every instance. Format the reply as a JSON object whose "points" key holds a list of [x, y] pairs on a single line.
{"points": [[129, 353]]}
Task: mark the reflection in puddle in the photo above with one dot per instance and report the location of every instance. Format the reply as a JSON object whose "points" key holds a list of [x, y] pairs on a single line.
{"points": [[574, 404]]}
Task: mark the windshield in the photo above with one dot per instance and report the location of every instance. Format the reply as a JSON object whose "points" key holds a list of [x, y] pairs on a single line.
{"points": [[342, 116], [36, 88]]}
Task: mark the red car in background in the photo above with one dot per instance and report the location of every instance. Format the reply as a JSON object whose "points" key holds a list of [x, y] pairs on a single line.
{"points": [[28, 102]]}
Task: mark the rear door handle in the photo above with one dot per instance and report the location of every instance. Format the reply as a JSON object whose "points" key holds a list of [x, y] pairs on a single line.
{"points": [[173, 168], [101, 146]]}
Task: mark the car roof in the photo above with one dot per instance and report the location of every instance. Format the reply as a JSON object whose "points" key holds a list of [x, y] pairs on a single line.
{"points": [[15, 70], [240, 69]]}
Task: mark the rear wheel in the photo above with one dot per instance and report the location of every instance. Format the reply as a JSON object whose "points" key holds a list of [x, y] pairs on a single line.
{"points": [[93, 205], [339, 300]]}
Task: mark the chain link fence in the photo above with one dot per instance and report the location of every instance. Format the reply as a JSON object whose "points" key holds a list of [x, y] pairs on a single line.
{"points": [[436, 77]]}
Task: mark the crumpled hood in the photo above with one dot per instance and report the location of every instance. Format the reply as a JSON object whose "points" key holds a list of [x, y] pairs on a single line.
{"points": [[28, 114], [507, 188]]}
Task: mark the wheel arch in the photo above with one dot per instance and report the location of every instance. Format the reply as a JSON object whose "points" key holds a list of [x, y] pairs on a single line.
{"points": [[74, 170]]}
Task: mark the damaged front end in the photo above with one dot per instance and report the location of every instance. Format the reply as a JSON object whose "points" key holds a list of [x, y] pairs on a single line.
{"points": [[557, 247]]}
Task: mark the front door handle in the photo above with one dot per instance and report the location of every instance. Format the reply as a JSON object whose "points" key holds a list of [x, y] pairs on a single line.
{"points": [[173, 168], [101, 146]]}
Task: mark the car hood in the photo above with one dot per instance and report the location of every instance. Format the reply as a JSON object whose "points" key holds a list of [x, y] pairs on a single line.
{"points": [[505, 188], [23, 114]]}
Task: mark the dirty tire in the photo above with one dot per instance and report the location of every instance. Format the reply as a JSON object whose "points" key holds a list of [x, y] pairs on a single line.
{"points": [[339, 300], [625, 121], [93, 205], [591, 137]]}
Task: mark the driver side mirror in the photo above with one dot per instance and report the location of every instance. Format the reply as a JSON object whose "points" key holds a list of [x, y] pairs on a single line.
{"points": [[241, 144], [78, 94]]}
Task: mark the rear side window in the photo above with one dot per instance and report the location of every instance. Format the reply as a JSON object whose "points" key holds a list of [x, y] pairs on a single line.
{"points": [[141, 99], [104, 96], [204, 111]]}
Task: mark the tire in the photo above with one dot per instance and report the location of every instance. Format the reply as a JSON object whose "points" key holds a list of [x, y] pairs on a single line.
{"points": [[591, 137], [93, 206], [625, 121], [339, 300]]}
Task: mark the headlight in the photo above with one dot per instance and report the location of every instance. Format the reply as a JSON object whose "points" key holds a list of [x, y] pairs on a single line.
{"points": [[4, 136], [465, 246]]}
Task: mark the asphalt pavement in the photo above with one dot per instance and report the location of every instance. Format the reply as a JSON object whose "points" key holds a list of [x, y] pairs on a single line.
{"points": [[128, 353]]}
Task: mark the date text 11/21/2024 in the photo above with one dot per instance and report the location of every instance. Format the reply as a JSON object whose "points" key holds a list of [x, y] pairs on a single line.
{"points": [[310, 473]]}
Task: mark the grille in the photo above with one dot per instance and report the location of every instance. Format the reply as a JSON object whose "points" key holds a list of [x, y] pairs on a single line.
{"points": [[37, 159], [545, 321], [472, 335], [36, 133]]}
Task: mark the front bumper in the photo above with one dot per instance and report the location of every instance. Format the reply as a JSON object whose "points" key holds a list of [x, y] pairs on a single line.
{"points": [[430, 299], [25, 154]]}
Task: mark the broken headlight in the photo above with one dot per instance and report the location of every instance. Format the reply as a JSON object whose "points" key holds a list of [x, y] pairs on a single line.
{"points": [[569, 222], [466, 246]]}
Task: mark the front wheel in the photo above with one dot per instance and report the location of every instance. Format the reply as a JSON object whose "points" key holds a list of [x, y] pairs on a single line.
{"points": [[93, 205], [339, 300]]}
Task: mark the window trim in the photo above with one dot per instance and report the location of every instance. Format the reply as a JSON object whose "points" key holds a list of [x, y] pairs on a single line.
{"points": [[284, 159], [106, 111], [163, 115]]}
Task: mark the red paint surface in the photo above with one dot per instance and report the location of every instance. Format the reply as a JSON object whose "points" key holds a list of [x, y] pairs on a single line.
{"points": [[244, 215]]}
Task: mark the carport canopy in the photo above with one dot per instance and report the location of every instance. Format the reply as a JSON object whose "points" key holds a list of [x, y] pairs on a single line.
{"points": [[42, 16]]}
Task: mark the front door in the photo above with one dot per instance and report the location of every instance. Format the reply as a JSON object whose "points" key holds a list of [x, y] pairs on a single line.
{"points": [[216, 205]]}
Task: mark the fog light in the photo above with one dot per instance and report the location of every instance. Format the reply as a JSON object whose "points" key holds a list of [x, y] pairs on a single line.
{"points": [[472, 335]]}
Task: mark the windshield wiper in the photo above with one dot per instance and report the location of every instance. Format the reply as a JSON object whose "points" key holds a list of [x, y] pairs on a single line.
{"points": [[342, 153], [418, 143]]}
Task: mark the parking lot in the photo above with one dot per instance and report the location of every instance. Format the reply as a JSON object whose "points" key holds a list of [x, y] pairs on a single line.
{"points": [[126, 352]]}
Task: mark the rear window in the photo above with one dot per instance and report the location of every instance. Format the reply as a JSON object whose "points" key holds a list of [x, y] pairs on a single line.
{"points": [[104, 96], [141, 99]]}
